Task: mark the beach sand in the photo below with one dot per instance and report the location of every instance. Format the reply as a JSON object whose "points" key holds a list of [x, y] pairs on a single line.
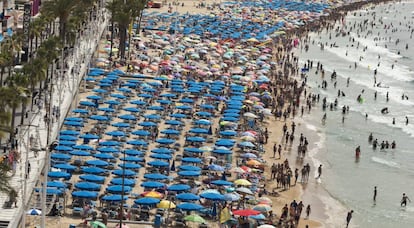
{"points": [[275, 136]]}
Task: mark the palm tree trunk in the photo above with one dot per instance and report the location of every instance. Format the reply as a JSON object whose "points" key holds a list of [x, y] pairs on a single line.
{"points": [[1, 76], [13, 120], [122, 40]]}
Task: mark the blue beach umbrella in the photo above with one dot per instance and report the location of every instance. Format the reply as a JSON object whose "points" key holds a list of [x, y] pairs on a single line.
{"points": [[117, 189], [170, 132], [189, 173], [190, 207], [179, 187], [85, 194], [165, 141], [222, 183], [94, 170], [193, 150], [137, 142], [129, 165], [152, 184], [132, 109], [133, 152], [147, 201], [222, 151], [184, 107], [156, 108], [147, 124], [202, 122], [94, 97], [99, 117], [127, 117], [56, 184], [114, 198], [204, 114], [161, 156], [121, 125], [141, 133], [63, 148], [187, 197], [126, 181], [107, 150], [124, 172], [83, 147], [116, 133], [65, 166], [89, 136], [132, 159], [109, 143], [162, 150], [112, 102], [106, 109], [90, 186], [69, 132], [74, 119], [198, 131], [87, 103], [81, 111], [215, 167], [97, 163], [138, 102], [155, 176], [247, 144], [92, 178], [174, 122], [67, 138], [59, 175], [67, 143], [189, 168], [195, 139], [80, 153], [212, 196], [191, 160], [228, 133], [61, 156], [178, 115], [158, 163], [104, 156]]}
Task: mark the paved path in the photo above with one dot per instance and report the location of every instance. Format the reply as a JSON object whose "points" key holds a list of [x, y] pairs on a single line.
{"points": [[64, 90]]}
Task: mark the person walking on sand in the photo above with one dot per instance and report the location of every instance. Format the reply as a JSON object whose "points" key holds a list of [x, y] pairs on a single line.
{"points": [[319, 171], [404, 200], [308, 211], [349, 217], [375, 195]]}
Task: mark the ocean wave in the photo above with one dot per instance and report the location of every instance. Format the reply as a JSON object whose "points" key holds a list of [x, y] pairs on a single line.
{"points": [[385, 162]]}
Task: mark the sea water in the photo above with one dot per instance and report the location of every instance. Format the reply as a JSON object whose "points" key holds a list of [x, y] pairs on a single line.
{"points": [[347, 183]]}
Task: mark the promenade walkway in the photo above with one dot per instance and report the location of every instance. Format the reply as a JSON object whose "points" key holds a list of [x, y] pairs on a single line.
{"points": [[65, 89]]}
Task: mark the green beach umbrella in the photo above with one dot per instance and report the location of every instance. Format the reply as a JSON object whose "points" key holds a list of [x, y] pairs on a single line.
{"points": [[97, 224], [194, 218]]}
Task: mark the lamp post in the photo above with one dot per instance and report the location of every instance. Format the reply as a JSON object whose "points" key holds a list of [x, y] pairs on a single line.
{"points": [[47, 154]]}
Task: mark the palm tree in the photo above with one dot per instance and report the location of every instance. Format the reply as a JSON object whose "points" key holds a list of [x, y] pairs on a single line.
{"points": [[123, 13], [5, 115], [5, 179], [35, 70], [6, 60], [61, 9], [36, 28], [17, 84]]}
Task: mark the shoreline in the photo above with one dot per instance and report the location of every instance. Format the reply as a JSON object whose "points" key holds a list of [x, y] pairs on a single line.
{"points": [[308, 195]]}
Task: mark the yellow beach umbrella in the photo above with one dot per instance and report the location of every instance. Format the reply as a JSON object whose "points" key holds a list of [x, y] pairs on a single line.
{"points": [[243, 182], [166, 204], [153, 194]]}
